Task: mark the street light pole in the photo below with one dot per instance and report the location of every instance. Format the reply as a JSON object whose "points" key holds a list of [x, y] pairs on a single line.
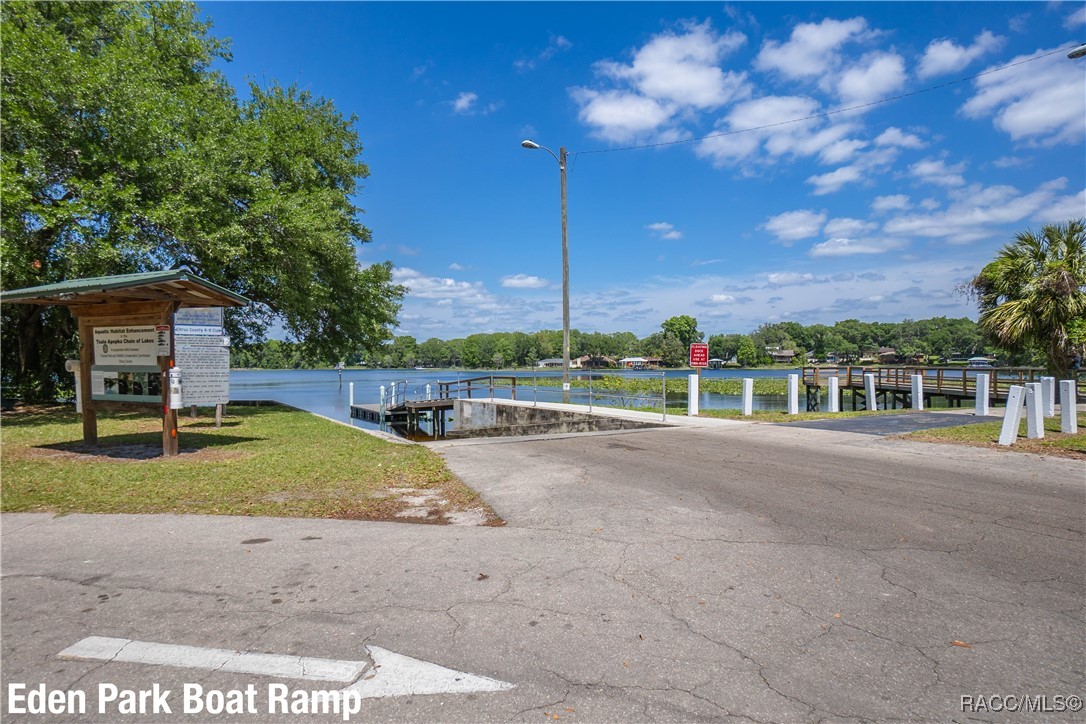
{"points": [[561, 159]]}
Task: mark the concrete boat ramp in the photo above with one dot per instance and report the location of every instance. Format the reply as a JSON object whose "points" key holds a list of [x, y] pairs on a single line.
{"points": [[497, 417]]}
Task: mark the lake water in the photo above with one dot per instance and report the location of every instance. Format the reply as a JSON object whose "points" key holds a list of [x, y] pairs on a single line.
{"points": [[325, 392]]}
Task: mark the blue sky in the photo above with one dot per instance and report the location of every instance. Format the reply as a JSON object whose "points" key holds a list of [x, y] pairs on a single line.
{"points": [[873, 212]]}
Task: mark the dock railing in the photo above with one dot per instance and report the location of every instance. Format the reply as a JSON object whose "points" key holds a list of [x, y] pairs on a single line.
{"points": [[457, 388], [952, 381]]}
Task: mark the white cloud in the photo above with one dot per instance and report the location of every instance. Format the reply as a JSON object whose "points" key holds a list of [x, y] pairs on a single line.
{"points": [[523, 281], [1041, 102], [557, 44], [841, 151], [464, 102], [619, 115], [893, 136], [812, 50], [456, 267], [794, 225], [722, 298], [673, 74], [946, 56], [936, 171], [876, 76], [682, 69], [894, 202], [664, 230], [828, 183], [844, 226], [427, 287], [1076, 18], [1062, 209], [977, 212], [788, 279], [842, 246]]}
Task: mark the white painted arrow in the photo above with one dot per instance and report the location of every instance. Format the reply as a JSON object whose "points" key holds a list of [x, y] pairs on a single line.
{"points": [[393, 674]]}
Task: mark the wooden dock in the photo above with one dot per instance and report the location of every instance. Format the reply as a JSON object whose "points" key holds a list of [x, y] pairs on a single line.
{"points": [[406, 416], [894, 384]]}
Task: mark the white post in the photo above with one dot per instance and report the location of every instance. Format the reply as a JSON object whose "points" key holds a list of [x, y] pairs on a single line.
{"points": [[1035, 421], [748, 395], [869, 392], [350, 393], [918, 392], [72, 366], [1048, 396], [1013, 417], [691, 396], [428, 391], [834, 393], [382, 396], [793, 394], [980, 405], [1068, 411]]}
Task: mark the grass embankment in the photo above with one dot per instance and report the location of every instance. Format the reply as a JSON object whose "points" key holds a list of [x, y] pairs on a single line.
{"points": [[269, 460], [782, 416], [986, 434]]}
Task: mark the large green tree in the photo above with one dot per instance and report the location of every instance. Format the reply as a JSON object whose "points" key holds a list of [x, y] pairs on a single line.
{"points": [[1034, 293], [123, 150], [684, 328]]}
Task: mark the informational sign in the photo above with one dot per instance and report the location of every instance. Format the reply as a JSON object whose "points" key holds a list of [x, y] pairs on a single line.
{"points": [[198, 317], [699, 355], [162, 341], [204, 362], [140, 383], [126, 346]]}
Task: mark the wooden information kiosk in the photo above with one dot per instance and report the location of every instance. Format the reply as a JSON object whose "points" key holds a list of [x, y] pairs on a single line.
{"points": [[126, 339]]}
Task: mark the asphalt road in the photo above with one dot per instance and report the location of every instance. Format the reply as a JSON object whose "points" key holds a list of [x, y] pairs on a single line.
{"points": [[747, 572]]}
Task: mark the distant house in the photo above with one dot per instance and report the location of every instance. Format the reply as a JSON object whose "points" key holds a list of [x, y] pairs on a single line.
{"points": [[716, 363], [887, 355], [588, 361], [551, 362], [640, 363], [782, 356]]}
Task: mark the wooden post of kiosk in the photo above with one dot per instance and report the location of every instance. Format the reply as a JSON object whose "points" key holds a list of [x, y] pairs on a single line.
{"points": [[170, 443]]}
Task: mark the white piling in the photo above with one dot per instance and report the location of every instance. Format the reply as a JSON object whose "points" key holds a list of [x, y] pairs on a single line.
{"points": [[428, 390], [793, 394], [834, 394], [981, 402], [1068, 411], [350, 393], [1013, 417], [72, 366], [748, 395], [1048, 396], [691, 396], [1035, 420], [869, 392], [918, 392]]}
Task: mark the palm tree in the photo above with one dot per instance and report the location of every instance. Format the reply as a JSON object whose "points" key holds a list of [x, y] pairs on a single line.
{"points": [[1034, 293]]}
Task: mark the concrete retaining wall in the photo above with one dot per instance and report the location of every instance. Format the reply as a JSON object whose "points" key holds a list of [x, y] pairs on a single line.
{"points": [[477, 418]]}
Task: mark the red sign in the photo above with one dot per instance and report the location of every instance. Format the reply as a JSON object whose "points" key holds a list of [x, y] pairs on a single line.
{"points": [[699, 355]]}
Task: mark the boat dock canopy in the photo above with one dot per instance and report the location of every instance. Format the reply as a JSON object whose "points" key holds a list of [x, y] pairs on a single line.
{"points": [[175, 285]]}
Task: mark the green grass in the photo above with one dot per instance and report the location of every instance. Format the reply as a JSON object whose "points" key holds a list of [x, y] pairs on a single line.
{"points": [[269, 460], [781, 416], [986, 434]]}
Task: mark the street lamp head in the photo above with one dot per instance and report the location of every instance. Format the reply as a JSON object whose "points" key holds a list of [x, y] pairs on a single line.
{"points": [[1078, 52], [530, 144]]}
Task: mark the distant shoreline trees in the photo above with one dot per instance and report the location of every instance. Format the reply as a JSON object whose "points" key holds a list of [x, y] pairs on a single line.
{"points": [[938, 337]]}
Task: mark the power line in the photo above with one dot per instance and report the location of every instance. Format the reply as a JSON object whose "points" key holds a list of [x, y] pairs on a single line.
{"points": [[826, 114]]}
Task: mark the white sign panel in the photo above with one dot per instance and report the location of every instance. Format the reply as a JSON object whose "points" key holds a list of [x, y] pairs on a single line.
{"points": [[205, 369], [198, 317], [125, 346]]}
